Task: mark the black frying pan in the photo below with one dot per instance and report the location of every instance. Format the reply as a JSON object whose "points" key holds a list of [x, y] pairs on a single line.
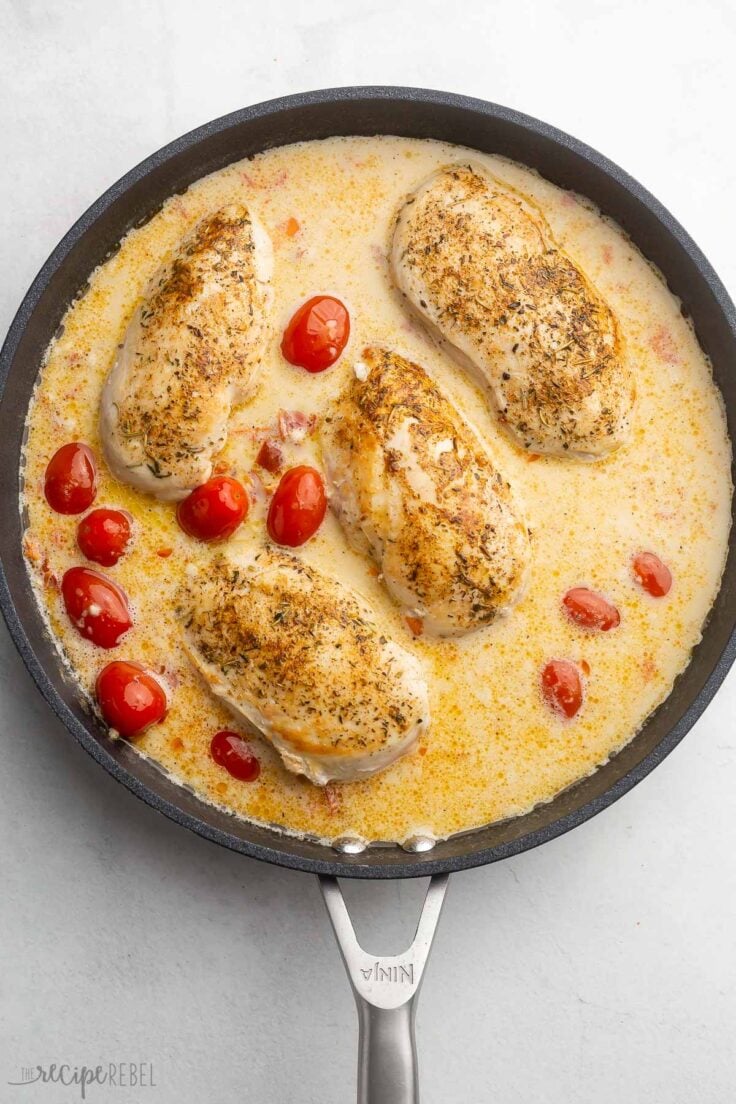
{"points": [[134, 199]]}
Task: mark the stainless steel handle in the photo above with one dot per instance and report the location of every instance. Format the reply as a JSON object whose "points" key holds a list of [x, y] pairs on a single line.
{"points": [[385, 990]]}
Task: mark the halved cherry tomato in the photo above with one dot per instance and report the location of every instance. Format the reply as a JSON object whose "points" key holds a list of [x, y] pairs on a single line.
{"points": [[104, 535], [590, 609], [130, 698], [97, 607], [653, 575], [234, 754], [298, 507], [71, 479], [270, 457], [562, 687], [316, 334], [214, 510]]}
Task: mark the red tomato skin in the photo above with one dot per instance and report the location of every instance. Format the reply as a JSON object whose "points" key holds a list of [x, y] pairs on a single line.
{"points": [[70, 484], [214, 510], [562, 687], [270, 457], [103, 536], [651, 574], [317, 334], [231, 751], [130, 699], [298, 507], [97, 607], [591, 610]]}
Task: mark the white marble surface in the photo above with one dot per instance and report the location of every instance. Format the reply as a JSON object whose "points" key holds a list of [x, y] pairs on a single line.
{"points": [[599, 967]]}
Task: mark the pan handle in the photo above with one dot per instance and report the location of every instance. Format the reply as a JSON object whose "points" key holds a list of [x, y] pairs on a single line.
{"points": [[385, 990]]}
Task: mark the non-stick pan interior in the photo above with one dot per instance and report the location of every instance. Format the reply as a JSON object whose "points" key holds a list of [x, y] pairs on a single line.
{"points": [[413, 113]]}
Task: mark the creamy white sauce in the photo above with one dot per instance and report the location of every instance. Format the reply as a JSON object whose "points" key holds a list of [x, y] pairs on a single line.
{"points": [[494, 749]]}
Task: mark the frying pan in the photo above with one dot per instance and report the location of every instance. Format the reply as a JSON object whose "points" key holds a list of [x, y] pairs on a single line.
{"points": [[385, 987]]}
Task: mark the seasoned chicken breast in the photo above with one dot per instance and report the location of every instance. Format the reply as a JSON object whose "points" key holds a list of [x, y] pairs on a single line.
{"points": [[412, 484], [190, 352], [479, 263], [297, 656]]}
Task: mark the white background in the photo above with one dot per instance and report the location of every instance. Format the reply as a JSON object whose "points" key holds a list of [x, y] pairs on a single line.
{"points": [[599, 967]]}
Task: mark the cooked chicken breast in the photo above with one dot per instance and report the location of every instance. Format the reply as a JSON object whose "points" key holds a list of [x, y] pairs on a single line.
{"points": [[191, 351], [297, 656], [412, 484], [479, 263]]}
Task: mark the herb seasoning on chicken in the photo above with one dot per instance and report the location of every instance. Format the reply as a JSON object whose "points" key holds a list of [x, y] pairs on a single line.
{"points": [[479, 263], [190, 352], [413, 485], [298, 657]]}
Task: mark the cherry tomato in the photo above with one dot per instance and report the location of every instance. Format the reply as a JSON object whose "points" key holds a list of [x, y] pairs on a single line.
{"points": [[97, 607], [562, 687], [214, 511], [590, 609], [103, 535], [130, 699], [71, 479], [270, 457], [317, 334], [234, 754], [653, 575], [297, 507]]}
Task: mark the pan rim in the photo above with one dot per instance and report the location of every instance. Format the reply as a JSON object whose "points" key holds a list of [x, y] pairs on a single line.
{"points": [[335, 864]]}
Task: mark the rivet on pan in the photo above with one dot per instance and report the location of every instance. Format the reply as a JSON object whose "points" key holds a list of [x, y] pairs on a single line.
{"points": [[418, 844], [349, 845]]}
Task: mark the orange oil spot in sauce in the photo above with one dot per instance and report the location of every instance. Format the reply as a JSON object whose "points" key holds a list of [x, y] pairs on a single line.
{"points": [[648, 667], [664, 346], [33, 550], [415, 624]]}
